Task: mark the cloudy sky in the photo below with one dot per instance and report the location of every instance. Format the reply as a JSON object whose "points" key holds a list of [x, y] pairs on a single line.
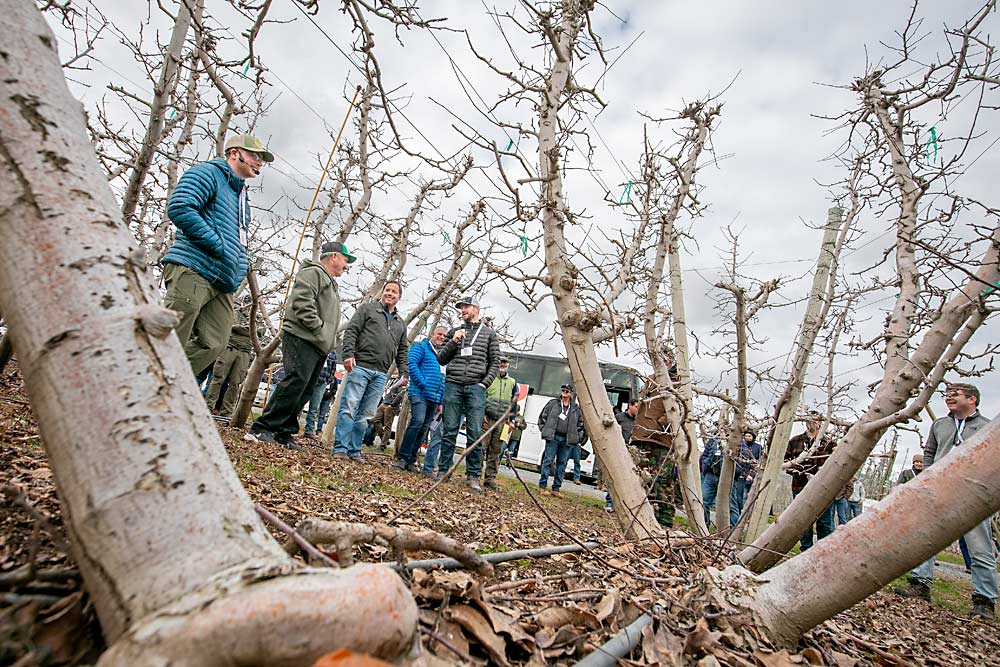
{"points": [[784, 60]]}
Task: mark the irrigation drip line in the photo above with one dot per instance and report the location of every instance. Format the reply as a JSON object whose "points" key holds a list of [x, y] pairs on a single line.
{"points": [[499, 557], [618, 646]]}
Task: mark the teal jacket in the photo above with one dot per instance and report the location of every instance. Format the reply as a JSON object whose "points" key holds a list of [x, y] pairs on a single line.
{"points": [[205, 208]]}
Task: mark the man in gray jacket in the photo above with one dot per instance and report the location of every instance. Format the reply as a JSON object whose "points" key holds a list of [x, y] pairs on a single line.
{"points": [[561, 424], [374, 339], [962, 422], [472, 355], [308, 333]]}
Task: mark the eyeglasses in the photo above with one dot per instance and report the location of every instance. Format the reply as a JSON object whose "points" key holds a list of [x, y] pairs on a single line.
{"points": [[255, 156]]}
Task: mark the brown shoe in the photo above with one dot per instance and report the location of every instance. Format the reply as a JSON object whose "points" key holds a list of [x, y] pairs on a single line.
{"points": [[544, 492], [340, 456], [491, 485], [914, 589], [557, 494]]}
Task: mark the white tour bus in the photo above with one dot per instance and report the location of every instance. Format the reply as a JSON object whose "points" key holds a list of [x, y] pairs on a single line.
{"points": [[539, 380]]}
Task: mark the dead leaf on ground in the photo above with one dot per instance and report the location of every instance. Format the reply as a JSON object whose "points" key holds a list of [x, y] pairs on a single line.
{"points": [[662, 648], [701, 640], [608, 604], [843, 660], [476, 624], [555, 617], [438, 584], [813, 657], [779, 659], [504, 623]]}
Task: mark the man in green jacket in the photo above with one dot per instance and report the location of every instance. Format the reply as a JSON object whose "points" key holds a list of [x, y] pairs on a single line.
{"points": [[308, 333], [501, 399]]}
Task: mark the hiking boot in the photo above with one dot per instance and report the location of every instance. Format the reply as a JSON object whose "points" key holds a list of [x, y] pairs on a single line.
{"points": [[576, 481], [399, 464], [556, 494], [411, 467], [292, 445], [914, 589], [545, 492], [491, 485], [473, 484], [982, 608], [356, 458], [340, 456]]}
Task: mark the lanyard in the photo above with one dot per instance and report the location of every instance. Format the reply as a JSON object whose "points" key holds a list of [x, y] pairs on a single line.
{"points": [[959, 427], [472, 342], [244, 221]]}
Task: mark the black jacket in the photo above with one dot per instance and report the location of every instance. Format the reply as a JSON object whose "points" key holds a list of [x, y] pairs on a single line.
{"points": [[478, 368], [576, 433], [373, 342]]}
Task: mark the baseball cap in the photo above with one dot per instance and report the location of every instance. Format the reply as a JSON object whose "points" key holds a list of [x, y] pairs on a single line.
{"points": [[504, 360], [248, 142], [567, 386], [337, 246], [467, 301]]}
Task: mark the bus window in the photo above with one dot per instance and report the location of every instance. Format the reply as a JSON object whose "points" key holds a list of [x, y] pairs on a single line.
{"points": [[557, 373], [527, 371], [619, 378]]}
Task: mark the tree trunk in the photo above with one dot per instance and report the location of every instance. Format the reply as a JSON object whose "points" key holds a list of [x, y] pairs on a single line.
{"points": [[255, 374], [958, 492], [176, 561], [632, 508], [686, 445], [330, 428], [788, 404]]}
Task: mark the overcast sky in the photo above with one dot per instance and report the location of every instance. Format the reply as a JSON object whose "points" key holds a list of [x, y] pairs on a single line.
{"points": [[784, 56]]}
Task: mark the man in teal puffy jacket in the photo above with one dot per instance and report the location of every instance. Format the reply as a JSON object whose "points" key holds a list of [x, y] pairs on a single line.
{"points": [[207, 262]]}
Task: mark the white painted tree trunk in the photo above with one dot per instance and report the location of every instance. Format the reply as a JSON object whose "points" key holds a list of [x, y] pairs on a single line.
{"points": [[914, 522], [789, 402], [632, 508], [176, 561]]}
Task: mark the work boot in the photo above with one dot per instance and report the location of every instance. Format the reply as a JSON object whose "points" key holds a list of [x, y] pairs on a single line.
{"points": [[490, 484], [341, 456], [473, 484], [914, 589], [982, 608], [556, 494], [542, 490], [399, 464]]}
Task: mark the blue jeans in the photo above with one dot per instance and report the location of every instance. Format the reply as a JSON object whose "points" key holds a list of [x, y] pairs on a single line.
{"points": [[421, 413], [469, 401], [966, 556], [508, 450], [984, 563], [737, 500], [555, 449], [319, 408], [854, 510], [433, 449], [709, 490], [824, 527], [362, 391], [843, 511], [576, 451]]}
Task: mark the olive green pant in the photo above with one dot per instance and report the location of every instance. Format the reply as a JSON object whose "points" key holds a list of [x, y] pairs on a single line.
{"points": [[206, 315], [231, 370]]}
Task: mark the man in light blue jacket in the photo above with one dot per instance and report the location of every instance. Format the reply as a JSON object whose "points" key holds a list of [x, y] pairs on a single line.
{"points": [[425, 392], [204, 267]]}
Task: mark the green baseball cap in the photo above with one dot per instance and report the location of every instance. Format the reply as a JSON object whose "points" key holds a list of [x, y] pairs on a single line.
{"points": [[337, 246], [248, 142]]}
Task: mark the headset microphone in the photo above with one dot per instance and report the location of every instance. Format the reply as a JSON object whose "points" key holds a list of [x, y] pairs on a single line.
{"points": [[254, 169]]}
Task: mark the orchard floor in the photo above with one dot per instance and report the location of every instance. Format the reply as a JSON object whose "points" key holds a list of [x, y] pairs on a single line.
{"points": [[581, 602]]}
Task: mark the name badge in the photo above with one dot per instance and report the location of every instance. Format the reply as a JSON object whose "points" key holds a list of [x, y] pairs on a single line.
{"points": [[466, 351], [562, 415]]}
